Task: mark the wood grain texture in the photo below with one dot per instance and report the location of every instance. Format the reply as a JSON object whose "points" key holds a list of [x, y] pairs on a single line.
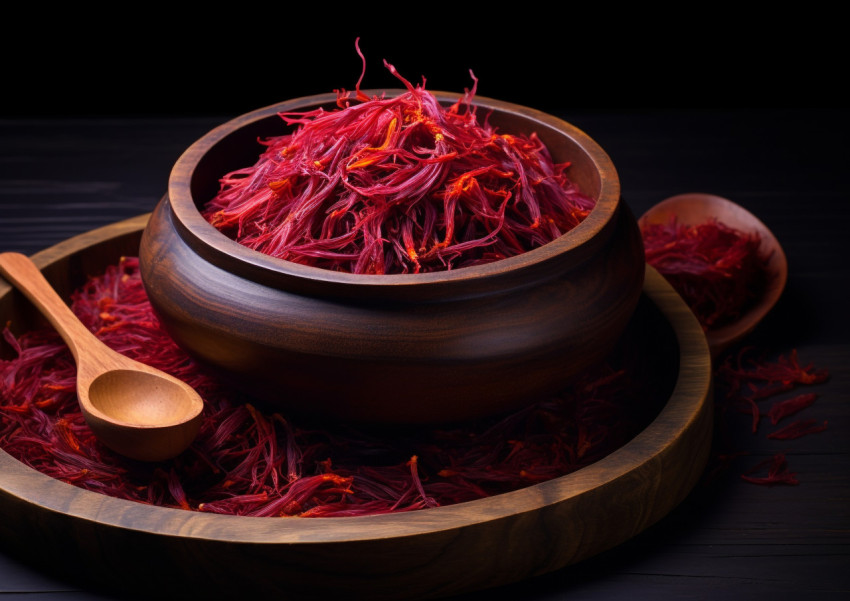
{"points": [[460, 344], [423, 554]]}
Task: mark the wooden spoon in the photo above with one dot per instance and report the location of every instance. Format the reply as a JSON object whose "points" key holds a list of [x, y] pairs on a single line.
{"points": [[693, 209], [136, 410]]}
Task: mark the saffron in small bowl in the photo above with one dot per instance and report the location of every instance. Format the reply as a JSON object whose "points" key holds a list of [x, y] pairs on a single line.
{"points": [[725, 263]]}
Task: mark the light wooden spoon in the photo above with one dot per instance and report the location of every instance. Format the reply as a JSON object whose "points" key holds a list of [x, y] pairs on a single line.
{"points": [[695, 208], [136, 410]]}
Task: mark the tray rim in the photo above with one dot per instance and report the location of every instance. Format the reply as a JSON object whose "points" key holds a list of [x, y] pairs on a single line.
{"points": [[686, 413]]}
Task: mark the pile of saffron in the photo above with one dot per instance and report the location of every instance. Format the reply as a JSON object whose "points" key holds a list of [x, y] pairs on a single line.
{"points": [[247, 461], [719, 271], [397, 185]]}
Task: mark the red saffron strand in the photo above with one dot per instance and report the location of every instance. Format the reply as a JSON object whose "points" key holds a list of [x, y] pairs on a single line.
{"points": [[778, 472], [753, 408], [798, 429], [397, 185], [781, 409]]}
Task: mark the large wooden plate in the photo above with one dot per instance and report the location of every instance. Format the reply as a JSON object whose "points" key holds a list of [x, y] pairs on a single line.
{"points": [[422, 554]]}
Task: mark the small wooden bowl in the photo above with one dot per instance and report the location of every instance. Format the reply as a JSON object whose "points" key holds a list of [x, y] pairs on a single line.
{"points": [[393, 349], [696, 208], [131, 547]]}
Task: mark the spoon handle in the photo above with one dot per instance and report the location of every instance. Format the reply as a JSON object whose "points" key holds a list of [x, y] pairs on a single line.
{"points": [[24, 275]]}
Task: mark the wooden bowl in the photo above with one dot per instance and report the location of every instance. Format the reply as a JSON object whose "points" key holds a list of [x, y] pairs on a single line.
{"points": [[148, 550], [393, 349], [697, 208]]}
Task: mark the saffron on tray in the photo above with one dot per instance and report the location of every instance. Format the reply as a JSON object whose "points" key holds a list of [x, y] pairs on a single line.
{"points": [[397, 185], [719, 271], [247, 461]]}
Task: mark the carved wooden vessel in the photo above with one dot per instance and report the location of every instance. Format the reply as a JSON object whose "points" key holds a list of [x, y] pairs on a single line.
{"points": [[393, 349]]}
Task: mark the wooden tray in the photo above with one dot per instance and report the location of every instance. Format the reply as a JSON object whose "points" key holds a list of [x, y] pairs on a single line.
{"points": [[423, 554]]}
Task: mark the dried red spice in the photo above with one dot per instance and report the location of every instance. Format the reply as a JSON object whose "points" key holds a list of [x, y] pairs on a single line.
{"points": [[777, 473], [798, 429], [754, 410], [781, 409], [249, 462], [397, 185], [719, 271]]}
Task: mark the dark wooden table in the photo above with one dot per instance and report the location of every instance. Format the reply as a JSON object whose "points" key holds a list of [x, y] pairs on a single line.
{"points": [[729, 539]]}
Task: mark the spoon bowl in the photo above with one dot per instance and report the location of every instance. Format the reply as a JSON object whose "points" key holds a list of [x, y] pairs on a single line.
{"points": [[134, 409], [696, 208], [137, 397]]}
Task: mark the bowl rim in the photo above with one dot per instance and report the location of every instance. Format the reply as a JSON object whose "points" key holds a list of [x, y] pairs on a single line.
{"points": [[204, 238]]}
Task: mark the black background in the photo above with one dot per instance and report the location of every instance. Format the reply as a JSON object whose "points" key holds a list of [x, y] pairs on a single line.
{"points": [[238, 58]]}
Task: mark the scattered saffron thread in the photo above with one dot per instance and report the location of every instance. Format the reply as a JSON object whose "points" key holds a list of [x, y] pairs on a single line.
{"points": [[743, 380], [798, 429], [788, 407], [777, 473]]}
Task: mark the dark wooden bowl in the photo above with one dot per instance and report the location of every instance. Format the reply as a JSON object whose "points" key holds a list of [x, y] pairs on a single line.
{"points": [[393, 349], [154, 551]]}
